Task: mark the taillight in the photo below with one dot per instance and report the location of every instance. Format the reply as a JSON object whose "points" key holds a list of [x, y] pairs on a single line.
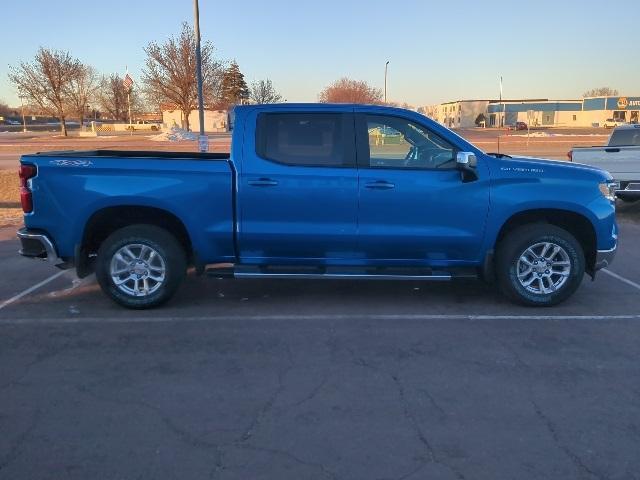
{"points": [[570, 155], [26, 172]]}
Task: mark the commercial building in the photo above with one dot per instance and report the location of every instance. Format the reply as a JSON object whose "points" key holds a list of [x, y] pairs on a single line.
{"points": [[586, 112], [598, 109], [535, 113], [460, 113]]}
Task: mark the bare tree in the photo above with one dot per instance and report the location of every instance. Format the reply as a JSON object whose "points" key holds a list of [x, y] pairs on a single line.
{"points": [[45, 81], [153, 102], [262, 91], [347, 90], [81, 90], [170, 72], [112, 98], [601, 92]]}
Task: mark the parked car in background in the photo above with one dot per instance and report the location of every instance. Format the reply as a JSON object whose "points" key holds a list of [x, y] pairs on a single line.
{"points": [[308, 193], [144, 125], [518, 126], [620, 157], [611, 123]]}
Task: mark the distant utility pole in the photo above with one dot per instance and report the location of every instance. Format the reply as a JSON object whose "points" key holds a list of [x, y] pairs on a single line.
{"points": [[203, 140], [386, 65], [501, 117]]}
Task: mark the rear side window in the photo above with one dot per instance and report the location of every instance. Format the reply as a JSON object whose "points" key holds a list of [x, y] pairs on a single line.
{"points": [[305, 139], [625, 137]]}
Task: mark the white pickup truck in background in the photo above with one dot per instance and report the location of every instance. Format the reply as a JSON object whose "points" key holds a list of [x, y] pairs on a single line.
{"points": [[621, 158]]}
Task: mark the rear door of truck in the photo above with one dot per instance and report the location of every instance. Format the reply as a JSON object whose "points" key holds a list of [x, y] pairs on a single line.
{"points": [[298, 187]]}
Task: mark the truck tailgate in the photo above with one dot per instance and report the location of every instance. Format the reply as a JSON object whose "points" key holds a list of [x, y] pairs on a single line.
{"points": [[622, 162]]}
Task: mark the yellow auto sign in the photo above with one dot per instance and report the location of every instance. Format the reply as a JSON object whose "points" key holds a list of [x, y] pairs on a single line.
{"points": [[623, 102]]}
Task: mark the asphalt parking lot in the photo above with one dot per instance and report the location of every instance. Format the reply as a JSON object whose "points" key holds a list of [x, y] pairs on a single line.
{"points": [[342, 380]]}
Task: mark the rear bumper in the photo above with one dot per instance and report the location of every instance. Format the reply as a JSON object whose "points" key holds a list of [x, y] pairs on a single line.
{"points": [[629, 190], [604, 258], [37, 245]]}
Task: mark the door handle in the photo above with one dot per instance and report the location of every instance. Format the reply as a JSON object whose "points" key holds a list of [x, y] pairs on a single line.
{"points": [[380, 185], [611, 150], [263, 182]]}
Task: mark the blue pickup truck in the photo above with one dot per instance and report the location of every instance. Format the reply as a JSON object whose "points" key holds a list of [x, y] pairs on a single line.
{"points": [[320, 191]]}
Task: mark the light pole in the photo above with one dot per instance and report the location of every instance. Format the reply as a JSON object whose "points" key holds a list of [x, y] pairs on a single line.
{"points": [[386, 65], [24, 122], [203, 140]]}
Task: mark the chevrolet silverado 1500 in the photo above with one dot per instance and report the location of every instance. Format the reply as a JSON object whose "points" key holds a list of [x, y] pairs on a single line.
{"points": [[320, 191]]}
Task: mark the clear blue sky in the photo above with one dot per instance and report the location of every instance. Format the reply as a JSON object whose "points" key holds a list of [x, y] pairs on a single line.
{"points": [[438, 50]]}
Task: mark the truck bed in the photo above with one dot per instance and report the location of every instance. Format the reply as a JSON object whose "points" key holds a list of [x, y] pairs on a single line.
{"points": [[197, 188], [138, 154]]}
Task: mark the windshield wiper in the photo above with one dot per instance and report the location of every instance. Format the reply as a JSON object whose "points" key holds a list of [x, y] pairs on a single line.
{"points": [[499, 155]]}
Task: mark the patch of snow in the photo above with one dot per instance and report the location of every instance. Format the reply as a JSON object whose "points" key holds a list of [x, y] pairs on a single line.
{"points": [[174, 135], [547, 134]]}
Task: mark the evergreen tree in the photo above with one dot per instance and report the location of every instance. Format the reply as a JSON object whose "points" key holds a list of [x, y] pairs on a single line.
{"points": [[233, 89]]}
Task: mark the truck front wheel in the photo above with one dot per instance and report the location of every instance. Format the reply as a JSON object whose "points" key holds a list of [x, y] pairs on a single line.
{"points": [[140, 266], [539, 265]]}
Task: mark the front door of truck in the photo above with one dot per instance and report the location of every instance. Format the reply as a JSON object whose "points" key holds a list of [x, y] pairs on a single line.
{"points": [[414, 207], [298, 191]]}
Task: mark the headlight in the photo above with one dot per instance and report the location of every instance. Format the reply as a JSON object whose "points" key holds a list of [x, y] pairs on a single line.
{"points": [[608, 190]]}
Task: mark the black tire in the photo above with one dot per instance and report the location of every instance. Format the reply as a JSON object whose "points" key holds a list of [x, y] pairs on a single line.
{"points": [[167, 248], [516, 243]]}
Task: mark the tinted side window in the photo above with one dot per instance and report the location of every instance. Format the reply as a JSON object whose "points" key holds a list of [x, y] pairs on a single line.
{"points": [[398, 143], [625, 137], [306, 139]]}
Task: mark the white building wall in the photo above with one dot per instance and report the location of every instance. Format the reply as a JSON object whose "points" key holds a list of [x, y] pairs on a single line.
{"points": [[470, 111], [460, 114], [214, 120]]}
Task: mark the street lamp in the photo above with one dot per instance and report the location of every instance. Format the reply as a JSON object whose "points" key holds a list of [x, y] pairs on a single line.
{"points": [[386, 65], [203, 140]]}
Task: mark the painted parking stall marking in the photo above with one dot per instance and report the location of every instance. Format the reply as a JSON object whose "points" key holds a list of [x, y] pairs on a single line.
{"points": [[31, 289], [631, 283]]}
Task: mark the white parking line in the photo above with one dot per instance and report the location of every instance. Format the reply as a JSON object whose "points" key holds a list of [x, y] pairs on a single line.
{"points": [[622, 279], [338, 317], [30, 289]]}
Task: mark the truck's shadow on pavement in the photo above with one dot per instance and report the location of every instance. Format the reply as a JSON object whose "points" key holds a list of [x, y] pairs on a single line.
{"points": [[211, 297]]}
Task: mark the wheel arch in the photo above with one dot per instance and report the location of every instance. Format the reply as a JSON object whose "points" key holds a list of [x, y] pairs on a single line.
{"points": [[107, 220], [575, 223]]}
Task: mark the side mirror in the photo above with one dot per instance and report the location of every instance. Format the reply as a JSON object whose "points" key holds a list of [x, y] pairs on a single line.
{"points": [[466, 159], [466, 162]]}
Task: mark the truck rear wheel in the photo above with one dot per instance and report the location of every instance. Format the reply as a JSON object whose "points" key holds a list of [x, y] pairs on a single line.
{"points": [[539, 265], [140, 266]]}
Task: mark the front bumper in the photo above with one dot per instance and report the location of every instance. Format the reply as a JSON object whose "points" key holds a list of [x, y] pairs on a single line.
{"points": [[37, 245]]}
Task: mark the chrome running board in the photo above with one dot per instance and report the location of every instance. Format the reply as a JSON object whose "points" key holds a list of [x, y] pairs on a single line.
{"points": [[338, 273]]}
